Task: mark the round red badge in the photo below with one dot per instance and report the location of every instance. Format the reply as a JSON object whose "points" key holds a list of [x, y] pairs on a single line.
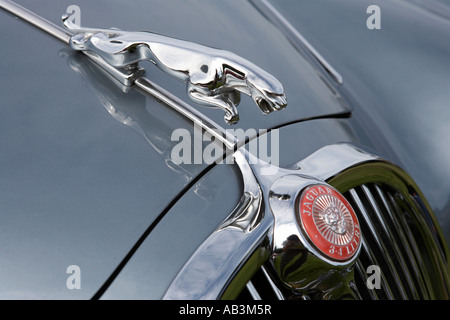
{"points": [[330, 222]]}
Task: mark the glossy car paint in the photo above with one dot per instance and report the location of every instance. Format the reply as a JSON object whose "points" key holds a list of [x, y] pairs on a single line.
{"points": [[80, 187]]}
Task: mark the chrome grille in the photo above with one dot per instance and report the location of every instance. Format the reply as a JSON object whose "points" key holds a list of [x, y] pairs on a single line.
{"points": [[391, 251], [395, 228], [398, 237]]}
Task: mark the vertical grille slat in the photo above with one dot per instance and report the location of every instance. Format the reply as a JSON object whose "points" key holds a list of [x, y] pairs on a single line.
{"points": [[263, 286], [397, 252], [378, 241], [410, 236], [405, 242], [253, 292], [278, 294], [369, 257], [360, 274]]}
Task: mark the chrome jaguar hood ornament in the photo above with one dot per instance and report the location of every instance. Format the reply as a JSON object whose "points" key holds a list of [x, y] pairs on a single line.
{"points": [[215, 78]]}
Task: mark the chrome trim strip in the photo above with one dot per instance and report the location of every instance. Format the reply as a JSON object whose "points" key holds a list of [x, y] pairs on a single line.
{"points": [[218, 132], [274, 287], [32, 18], [253, 292], [292, 32]]}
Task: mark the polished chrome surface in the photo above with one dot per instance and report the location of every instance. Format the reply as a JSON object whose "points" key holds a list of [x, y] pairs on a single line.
{"points": [[215, 78], [214, 263], [297, 261], [253, 292], [273, 286]]}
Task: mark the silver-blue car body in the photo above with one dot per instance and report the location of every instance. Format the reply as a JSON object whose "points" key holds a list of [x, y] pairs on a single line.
{"points": [[95, 205]]}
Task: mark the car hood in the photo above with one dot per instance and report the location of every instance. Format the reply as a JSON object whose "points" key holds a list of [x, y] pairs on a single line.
{"points": [[86, 168]]}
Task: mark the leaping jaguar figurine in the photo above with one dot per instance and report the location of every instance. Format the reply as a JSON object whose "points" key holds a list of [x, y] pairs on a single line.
{"points": [[214, 77]]}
